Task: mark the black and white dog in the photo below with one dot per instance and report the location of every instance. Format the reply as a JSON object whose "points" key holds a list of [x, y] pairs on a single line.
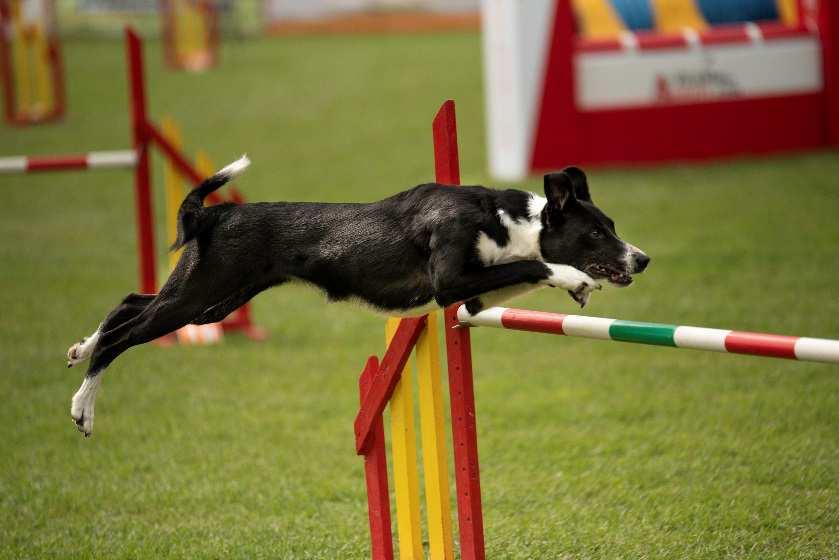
{"points": [[423, 248]]}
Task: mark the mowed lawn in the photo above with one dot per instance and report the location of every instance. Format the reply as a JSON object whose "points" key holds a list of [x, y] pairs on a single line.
{"points": [[245, 450]]}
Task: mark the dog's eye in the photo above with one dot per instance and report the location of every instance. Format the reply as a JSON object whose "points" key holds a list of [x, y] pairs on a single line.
{"points": [[596, 234]]}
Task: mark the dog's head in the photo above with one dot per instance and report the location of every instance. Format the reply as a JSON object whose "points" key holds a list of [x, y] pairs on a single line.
{"points": [[577, 233]]}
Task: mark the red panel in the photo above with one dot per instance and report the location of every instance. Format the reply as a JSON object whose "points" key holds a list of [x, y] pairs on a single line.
{"points": [[459, 354], [781, 31], [650, 41], [695, 131], [724, 34], [56, 163], [597, 45], [759, 344], [558, 129], [375, 473], [384, 382], [829, 32], [534, 321]]}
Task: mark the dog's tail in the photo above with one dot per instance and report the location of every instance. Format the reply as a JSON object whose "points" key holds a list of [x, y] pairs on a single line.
{"points": [[192, 210]]}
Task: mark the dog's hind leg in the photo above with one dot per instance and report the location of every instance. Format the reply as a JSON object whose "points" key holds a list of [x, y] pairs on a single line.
{"points": [[218, 311], [161, 316], [131, 306]]}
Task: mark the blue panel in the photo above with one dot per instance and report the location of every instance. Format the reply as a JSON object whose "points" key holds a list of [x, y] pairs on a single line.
{"points": [[737, 11], [636, 14]]}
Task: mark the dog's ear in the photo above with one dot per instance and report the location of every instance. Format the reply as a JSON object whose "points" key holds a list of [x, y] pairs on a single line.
{"points": [[559, 190], [578, 179]]}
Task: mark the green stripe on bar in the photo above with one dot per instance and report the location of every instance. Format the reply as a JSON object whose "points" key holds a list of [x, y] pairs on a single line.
{"points": [[643, 333]]}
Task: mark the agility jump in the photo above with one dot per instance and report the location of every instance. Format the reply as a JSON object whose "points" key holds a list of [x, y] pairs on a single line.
{"points": [[389, 381], [146, 135], [190, 33], [31, 70]]}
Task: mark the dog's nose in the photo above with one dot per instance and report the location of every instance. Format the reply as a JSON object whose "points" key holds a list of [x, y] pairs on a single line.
{"points": [[641, 261]]}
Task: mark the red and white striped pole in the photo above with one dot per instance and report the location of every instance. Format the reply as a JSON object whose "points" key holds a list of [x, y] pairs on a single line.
{"points": [[676, 336], [90, 160]]}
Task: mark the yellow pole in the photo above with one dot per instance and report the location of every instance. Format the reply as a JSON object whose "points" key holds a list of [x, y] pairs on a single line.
{"points": [[435, 458], [174, 187], [41, 63], [20, 50], [404, 448]]}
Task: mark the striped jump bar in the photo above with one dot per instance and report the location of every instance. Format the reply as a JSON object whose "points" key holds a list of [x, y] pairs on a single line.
{"points": [[31, 164], [697, 338]]}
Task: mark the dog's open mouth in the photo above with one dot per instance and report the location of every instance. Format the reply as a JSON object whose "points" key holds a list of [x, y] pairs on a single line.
{"points": [[614, 276]]}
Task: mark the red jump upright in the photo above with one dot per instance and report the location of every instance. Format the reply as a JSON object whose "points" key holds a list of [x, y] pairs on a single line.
{"points": [[378, 381]]}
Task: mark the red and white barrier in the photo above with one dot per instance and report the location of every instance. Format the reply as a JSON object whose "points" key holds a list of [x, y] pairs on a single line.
{"points": [[90, 160], [555, 98], [695, 338]]}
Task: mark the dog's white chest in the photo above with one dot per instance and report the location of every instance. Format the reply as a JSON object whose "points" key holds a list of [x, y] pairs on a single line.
{"points": [[523, 242]]}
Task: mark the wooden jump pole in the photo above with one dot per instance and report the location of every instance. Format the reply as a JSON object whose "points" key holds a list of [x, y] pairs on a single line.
{"points": [[459, 357]]}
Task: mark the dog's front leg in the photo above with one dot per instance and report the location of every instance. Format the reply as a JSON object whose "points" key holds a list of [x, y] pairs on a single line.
{"points": [[578, 283], [452, 283]]}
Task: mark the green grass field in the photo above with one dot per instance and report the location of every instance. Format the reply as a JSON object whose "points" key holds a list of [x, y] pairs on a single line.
{"points": [[245, 450]]}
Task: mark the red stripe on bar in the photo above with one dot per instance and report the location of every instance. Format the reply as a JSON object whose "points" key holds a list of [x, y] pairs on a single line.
{"points": [[533, 321], [780, 31], [598, 45], [654, 41], [55, 163], [725, 34], [760, 344]]}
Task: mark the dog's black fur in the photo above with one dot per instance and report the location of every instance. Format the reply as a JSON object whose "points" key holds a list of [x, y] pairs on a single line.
{"points": [[398, 254]]}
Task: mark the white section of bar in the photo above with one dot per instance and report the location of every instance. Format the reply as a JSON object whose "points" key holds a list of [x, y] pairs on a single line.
{"points": [[700, 338], [691, 38], [817, 350], [487, 318], [753, 32], [115, 158], [588, 327], [14, 164], [629, 41]]}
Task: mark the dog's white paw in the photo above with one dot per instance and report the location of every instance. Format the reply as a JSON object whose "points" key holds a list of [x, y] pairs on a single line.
{"points": [[81, 408], [578, 283], [82, 350]]}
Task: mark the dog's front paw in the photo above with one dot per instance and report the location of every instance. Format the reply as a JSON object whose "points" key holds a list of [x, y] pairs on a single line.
{"points": [[578, 284], [81, 408]]}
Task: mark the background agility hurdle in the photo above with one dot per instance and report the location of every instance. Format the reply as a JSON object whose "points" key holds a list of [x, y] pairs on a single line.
{"points": [[389, 380], [680, 80], [190, 33], [146, 135], [31, 69]]}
